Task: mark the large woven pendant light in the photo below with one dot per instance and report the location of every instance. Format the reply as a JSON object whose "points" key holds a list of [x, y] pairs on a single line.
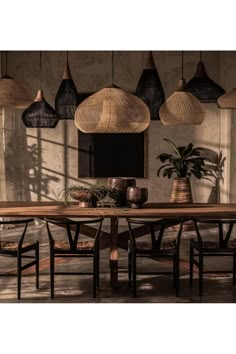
{"points": [[149, 87], [202, 87], [66, 100], [40, 114], [112, 110], [182, 107], [13, 93]]}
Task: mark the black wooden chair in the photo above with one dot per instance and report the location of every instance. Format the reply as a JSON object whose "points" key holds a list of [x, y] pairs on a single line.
{"points": [[21, 249], [223, 247], [155, 247], [72, 247]]}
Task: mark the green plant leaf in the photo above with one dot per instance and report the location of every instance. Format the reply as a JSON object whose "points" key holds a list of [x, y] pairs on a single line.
{"points": [[175, 148]]}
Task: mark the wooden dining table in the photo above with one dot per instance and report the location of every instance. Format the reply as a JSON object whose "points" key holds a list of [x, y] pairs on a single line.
{"points": [[115, 239]]}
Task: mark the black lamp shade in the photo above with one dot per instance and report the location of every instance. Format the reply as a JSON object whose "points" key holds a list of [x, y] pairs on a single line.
{"points": [[203, 87], [40, 114], [150, 89], [66, 100]]}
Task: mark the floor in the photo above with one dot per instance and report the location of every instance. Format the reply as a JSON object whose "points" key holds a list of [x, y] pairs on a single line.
{"points": [[78, 289]]}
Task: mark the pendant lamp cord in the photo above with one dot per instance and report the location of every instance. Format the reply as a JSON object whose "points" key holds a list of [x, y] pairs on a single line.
{"points": [[6, 62], [200, 55], [67, 60], [182, 68], [112, 67], [40, 69]]}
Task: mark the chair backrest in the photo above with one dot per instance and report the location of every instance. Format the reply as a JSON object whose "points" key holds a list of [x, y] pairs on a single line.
{"points": [[224, 226], [157, 228], [23, 222], [76, 226]]}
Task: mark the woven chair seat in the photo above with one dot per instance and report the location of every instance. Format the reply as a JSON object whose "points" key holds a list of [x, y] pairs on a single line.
{"points": [[82, 245], [13, 246], [147, 246]]}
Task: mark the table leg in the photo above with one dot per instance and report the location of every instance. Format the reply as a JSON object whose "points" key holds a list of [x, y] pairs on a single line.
{"points": [[114, 251]]}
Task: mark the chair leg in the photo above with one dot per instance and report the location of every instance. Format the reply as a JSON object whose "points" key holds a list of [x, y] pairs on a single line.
{"points": [[200, 274], [37, 264], [19, 276], [94, 275], [234, 268], [97, 269], [176, 275], [191, 266], [129, 267], [134, 274], [52, 273]]}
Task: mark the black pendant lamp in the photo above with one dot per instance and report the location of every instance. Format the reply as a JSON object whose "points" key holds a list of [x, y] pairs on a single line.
{"points": [[40, 114], [203, 87], [149, 87], [66, 100]]}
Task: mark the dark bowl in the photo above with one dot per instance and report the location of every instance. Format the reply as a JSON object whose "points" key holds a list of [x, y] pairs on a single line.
{"points": [[136, 196]]}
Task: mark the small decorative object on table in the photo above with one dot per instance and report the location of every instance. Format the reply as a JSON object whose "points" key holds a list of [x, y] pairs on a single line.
{"points": [[136, 196], [87, 196], [120, 184]]}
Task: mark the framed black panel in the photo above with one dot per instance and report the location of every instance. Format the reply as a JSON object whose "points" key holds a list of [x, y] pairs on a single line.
{"points": [[112, 155]]}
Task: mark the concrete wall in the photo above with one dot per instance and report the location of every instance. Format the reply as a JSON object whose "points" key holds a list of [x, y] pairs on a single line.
{"points": [[39, 163]]}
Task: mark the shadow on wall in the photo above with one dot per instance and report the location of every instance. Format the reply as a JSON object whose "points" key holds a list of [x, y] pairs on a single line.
{"points": [[23, 164], [215, 174]]}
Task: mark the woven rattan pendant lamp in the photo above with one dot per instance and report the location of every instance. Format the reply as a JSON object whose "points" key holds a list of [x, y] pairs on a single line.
{"points": [[40, 114], [13, 93], [66, 100], [202, 87], [112, 110], [149, 87], [182, 107]]}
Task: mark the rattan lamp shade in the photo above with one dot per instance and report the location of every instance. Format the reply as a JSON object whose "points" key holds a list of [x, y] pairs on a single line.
{"points": [[228, 100], [181, 108], [40, 114], [13, 94], [202, 87], [66, 100], [112, 110], [149, 87]]}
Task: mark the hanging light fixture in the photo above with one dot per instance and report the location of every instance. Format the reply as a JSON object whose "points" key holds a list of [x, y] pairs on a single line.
{"points": [[66, 100], [149, 87], [40, 114], [202, 87], [112, 110], [182, 107], [228, 100], [13, 93]]}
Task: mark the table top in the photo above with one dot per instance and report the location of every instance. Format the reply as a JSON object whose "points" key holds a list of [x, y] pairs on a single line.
{"points": [[158, 210]]}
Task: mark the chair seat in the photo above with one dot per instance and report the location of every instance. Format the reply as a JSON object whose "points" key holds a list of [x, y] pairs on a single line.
{"points": [[82, 245], [13, 246], [214, 245], [142, 246]]}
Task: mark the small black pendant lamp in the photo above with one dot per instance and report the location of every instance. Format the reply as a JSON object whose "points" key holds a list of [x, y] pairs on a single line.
{"points": [[40, 114], [203, 87], [149, 87], [66, 100]]}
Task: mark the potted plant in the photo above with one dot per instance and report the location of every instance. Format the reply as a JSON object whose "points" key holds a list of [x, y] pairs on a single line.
{"points": [[89, 194], [184, 162]]}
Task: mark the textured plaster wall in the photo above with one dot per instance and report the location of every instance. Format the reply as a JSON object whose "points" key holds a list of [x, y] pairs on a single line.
{"points": [[41, 162]]}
